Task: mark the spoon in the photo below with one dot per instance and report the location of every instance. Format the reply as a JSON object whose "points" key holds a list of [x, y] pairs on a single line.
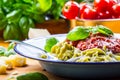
{"points": [[50, 57]]}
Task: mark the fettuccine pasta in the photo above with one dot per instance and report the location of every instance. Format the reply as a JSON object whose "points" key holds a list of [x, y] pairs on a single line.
{"points": [[67, 52]]}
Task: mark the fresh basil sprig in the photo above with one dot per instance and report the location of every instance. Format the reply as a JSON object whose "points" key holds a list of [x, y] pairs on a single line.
{"points": [[80, 32]]}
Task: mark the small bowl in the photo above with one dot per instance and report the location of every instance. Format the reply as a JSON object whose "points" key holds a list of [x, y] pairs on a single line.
{"points": [[113, 24]]}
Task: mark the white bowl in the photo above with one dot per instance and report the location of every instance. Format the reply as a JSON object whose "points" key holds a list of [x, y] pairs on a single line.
{"points": [[79, 70]]}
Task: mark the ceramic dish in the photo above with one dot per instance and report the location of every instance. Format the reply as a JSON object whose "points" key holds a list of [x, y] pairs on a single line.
{"points": [[68, 69]]}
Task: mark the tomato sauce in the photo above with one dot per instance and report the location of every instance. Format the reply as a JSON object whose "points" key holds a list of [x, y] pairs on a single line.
{"points": [[98, 41]]}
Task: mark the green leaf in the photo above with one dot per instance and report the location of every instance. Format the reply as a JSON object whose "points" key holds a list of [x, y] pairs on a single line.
{"points": [[10, 52], [14, 16], [93, 30], [61, 2], [32, 76], [57, 12], [3, 24], [2, 50], [78, 33], [11, 46], [45, 5], [56, 8], [8, 2], [23, 23], [28, 1], [2, 15], [12, 31], [7, 5], [6, 9], [3, 20], [80, 0], [104, 30], [18, 1], [31, 23], [21, 6], [49, 43], [38, 18], [1, 3]]}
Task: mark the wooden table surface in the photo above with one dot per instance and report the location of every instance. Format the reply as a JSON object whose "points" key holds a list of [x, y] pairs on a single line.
{"points": [[32, 66]]}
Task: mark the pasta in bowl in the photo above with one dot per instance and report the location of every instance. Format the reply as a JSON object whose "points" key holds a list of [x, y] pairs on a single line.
{"points": [[97, 47], [95, 62], [90, 55]]}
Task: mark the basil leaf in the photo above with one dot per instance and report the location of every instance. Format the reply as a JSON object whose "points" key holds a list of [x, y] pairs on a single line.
{"points": [[104, 30], [49, 43], [61, 2], [28, 1], [10, 52], [2, 50], [78, 33], [12, 31], [14, 16], [45, 4], [32, 76], [11, 46]]}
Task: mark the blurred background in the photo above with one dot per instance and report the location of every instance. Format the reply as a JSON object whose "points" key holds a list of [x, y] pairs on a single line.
{"points": [[18, 17]]}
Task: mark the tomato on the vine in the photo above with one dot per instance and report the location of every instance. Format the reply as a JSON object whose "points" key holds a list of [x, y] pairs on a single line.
{"points": [[116, 10], [103, 5], [89, 13], [71, 10]]}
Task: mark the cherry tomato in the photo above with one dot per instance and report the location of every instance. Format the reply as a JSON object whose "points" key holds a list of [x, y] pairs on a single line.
{"points": [[103, 5], [89, 13], [116, 10], [83, 6], [105, 15], [71, 10]]}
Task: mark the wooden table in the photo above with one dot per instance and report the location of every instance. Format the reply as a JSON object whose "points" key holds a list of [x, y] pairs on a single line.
{"points": [[32, 66]]}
